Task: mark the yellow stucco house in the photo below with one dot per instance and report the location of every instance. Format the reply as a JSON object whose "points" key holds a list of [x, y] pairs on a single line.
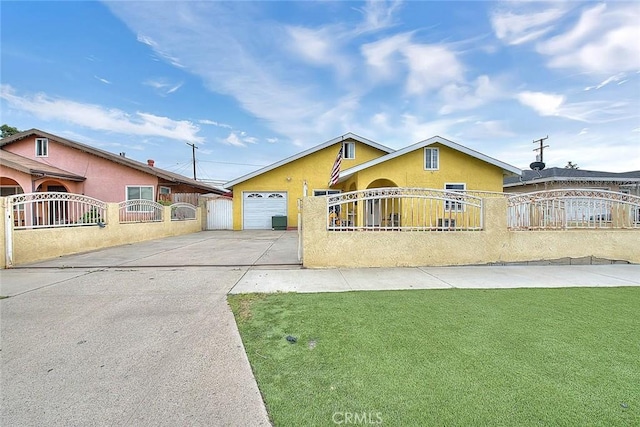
{"points": [[433, 163]]}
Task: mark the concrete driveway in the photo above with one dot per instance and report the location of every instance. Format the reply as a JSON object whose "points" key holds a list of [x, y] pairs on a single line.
{"points": [[206, 248], [135, 335]]}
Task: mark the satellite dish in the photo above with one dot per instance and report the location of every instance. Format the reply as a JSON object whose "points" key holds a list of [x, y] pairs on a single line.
{"points": [[537, 166]]}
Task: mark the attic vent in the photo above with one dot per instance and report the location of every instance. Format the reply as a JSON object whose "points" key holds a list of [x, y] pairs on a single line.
{"points": [[123, 154]]}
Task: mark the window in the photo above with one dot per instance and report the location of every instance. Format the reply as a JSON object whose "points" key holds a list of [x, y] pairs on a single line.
{"points": [[143, 192], [431, 159], [164, 194], [140, 192], [42, 147], [349, 150], [325, 192], [10, 190], [444, 223], [450, 205]]}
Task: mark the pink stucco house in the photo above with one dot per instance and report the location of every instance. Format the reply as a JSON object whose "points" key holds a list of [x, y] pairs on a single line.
{"points": [[33, 161]]}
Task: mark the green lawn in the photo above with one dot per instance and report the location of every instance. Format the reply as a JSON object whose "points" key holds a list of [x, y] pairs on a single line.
{"points": [[512, 357]]}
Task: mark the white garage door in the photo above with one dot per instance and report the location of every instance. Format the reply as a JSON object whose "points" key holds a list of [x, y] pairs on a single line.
{"points": [[259, 207]]}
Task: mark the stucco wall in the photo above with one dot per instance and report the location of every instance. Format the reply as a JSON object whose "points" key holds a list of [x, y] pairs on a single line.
{"points": [[45, 243], [105, 180], [455, 167], [495, 243], [315, 169]]}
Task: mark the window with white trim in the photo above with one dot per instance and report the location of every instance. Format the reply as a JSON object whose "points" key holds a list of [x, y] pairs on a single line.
{"points": [[348, 150], [144, 192], [42, 147], [450, 205], [431, 159], [325, 192]]}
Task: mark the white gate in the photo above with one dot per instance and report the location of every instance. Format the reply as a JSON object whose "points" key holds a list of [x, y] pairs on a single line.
{"points": [[220, 214]]}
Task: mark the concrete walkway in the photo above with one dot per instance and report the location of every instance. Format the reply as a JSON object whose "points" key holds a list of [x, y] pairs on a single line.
{"points": [[468, 277], [142, 334]]}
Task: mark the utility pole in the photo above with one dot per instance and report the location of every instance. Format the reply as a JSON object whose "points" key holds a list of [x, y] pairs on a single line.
{"points": [[541, 148], [539, 163], [193, 156]]}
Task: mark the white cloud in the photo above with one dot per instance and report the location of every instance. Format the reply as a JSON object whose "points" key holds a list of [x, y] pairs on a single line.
{"points": [[545, 104], [105, 81], [144, 39], [429, 66], [214, 123], [604, 40], [617, 78], [320, 47], [230, 57], [233, 139], [383, 56], [518, 28], [239, 139], [550, 104], [458, 97], [163, 86], [378, 15], [272, 140], [101, 118]]}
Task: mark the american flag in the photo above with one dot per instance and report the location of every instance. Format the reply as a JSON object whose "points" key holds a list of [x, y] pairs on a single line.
{"points": [[335, 170]]}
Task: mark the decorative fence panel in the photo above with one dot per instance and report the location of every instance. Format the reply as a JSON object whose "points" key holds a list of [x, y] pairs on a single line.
{"points": [[140, 210], [192, 198], [573, 208], [183, 212], [411, 209], [55, 209]]}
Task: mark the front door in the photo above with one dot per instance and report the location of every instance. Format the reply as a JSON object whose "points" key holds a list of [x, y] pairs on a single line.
{"points": [[372, 213]]}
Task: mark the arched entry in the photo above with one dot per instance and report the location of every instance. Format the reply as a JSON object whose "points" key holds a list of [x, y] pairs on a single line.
{"points": [[381, 183], [9, 187], [52, 186], [383, 210], [57, 211]]}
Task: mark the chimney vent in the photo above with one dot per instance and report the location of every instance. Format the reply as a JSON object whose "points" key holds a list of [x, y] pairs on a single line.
{"points": [[150, 162]]}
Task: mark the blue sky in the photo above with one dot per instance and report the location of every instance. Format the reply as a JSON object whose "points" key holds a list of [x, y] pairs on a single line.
{"points": [[251, 83]]}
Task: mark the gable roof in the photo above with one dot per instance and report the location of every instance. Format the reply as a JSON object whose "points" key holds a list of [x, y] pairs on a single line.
{"points": [[35, 168], [556, 174], [312, 150], [152, 170], [507, 168]]}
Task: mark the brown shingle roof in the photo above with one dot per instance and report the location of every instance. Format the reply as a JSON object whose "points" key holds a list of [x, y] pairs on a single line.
{"points": [[160, 173], [33, 167]]}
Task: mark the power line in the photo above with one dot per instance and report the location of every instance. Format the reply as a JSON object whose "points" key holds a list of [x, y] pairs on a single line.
{"points": [[228, 163]]}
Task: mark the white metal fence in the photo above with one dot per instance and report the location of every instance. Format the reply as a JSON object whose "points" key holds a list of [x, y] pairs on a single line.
{"points": [[140, 210], [414, 209], [183, 212], [573, 208], [54, 209]]}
